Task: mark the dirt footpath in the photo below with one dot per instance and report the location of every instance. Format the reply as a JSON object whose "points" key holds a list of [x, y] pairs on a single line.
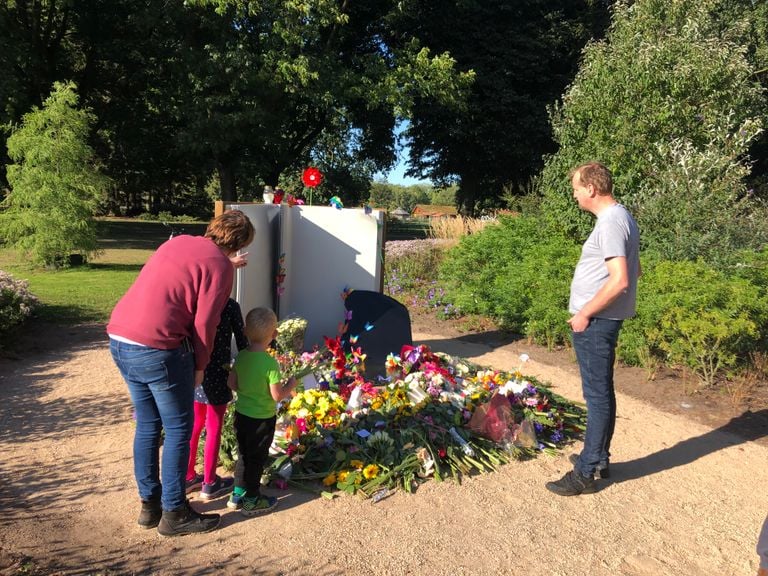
{"points": [[683, 499]]}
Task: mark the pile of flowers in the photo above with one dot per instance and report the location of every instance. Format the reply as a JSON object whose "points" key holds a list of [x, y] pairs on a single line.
{"points": [[433, 417]]}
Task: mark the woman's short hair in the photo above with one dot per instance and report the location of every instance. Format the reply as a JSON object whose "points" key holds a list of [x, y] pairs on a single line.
{"points": [[231, 231], [259, 324]]}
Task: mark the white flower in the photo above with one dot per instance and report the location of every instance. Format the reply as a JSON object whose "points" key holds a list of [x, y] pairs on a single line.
{"points": [[524, 358], [513, 386]]}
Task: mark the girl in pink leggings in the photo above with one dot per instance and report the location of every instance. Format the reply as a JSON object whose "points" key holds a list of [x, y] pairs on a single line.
{"points": [[211, 399]]}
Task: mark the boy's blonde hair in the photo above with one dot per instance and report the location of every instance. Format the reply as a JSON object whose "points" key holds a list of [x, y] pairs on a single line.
{"points": [[260, 324]]}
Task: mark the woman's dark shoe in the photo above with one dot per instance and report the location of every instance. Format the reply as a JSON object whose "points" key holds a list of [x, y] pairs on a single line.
{"points": [[150, 515], [602, 471], [185, 520]]}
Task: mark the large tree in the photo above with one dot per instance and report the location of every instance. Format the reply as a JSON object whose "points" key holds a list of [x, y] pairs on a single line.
{"points": [[523, 54], [269, 78], [55, 182], [671, 101]]}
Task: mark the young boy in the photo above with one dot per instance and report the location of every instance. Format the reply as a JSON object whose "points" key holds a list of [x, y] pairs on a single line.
{"points": [[256, 378]]}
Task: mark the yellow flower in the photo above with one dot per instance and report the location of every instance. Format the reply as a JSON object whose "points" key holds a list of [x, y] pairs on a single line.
{"points": [[343, 475], [358, 464], [376, 404], [370, 471], [330, 480], [323, 404], [295, 402]]}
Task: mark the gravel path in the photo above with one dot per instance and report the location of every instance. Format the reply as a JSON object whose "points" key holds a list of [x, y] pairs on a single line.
{"points": [[683, 499]]}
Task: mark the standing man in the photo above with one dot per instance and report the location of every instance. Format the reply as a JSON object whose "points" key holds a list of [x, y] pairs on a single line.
{"points": [[603, 294]]}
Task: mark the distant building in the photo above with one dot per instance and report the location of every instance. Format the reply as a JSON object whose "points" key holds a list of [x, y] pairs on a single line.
{"points": [[399, 213], [434, 211]]}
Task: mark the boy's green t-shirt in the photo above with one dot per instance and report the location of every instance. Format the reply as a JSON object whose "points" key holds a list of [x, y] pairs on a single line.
{"points": [[255, 372]]}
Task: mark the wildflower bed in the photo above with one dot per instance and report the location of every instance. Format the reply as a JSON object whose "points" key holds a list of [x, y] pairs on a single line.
{"points": [[433, 417]]}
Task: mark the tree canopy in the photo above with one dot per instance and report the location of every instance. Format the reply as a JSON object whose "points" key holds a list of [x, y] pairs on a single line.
{"points": [[671, 102]]}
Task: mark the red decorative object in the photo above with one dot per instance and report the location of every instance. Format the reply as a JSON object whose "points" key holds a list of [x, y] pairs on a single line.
{"points": [[312, 177]]}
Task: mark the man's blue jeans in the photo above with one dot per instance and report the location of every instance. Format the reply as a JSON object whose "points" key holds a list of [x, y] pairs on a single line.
{"points": [[161, 384], [596, 352]]}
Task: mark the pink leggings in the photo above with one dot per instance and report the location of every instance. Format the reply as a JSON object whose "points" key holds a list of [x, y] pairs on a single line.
{"points": [[210, 417]]}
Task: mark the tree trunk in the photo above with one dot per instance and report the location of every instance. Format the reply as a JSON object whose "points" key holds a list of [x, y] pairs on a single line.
{"points": [[226, 181]]}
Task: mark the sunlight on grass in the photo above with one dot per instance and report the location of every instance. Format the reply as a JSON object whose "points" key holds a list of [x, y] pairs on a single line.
{"points": [[85, 293]]}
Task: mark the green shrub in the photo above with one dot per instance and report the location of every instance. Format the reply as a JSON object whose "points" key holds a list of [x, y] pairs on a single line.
{"points": [[517, 274], [16, 302], [471, 270], [693, 315]]}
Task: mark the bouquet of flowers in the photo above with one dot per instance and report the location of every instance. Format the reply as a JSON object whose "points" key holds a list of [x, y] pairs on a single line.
{"points": [[290, 335]]}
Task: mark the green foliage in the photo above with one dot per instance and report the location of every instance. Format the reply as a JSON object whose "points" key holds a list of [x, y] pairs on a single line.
{"points": [[696, 205], [16, 302], [499, 136], [392, 196], [56, 186], [89, 293], [671, 83], [517, 274], [692, 315]]}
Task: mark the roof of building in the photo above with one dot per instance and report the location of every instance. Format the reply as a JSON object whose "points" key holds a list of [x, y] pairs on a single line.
{"points": [[434, 210]]}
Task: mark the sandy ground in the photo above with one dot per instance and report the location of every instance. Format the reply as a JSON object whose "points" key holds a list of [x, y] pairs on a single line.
{"points": [[684, 499]]}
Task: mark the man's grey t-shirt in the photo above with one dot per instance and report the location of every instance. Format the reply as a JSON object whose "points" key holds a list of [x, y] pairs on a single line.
{"points": [[615, 235]]}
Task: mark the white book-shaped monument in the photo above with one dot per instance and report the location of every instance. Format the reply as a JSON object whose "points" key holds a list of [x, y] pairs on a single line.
{"points": [[320, 251]]}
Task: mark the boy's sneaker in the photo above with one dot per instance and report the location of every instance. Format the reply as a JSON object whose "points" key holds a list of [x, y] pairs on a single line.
{"points": [[602, 471], [257, 505], [194, 484], [220, 487], [185, 520], [235, 501]]}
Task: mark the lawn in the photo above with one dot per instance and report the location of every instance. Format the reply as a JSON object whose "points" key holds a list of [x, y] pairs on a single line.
{"points": [[88, 293]]}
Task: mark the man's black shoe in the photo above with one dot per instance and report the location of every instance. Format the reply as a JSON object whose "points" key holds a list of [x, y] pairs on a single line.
{"points": [[185, 520], [602, 471], [572, 484], [150, 515]]}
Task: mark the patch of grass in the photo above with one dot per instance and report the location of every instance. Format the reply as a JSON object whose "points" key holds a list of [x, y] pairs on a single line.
{"points": [[88, 293]]}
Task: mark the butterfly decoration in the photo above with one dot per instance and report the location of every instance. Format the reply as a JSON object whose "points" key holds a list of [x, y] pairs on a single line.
{"points": [[336, 202]]}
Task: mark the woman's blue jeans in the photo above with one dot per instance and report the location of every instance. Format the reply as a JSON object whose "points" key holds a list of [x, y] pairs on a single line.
{"points": [[596, 352], [161, 384]]}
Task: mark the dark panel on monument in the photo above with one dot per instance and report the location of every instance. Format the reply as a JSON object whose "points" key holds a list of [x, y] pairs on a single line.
{"points": [[382, 326]]}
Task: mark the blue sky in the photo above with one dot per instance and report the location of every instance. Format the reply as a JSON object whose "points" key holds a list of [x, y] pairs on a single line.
{"points": [[397, 174]]}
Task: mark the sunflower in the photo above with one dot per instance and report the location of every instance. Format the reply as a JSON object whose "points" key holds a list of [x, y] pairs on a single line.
{"points": [[329, 480], [370, 471]]}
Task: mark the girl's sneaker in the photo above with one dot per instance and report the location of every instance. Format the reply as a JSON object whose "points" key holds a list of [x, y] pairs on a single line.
{"points": [[194, 483], [220, 487], [257, 505], [235, 501]]}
